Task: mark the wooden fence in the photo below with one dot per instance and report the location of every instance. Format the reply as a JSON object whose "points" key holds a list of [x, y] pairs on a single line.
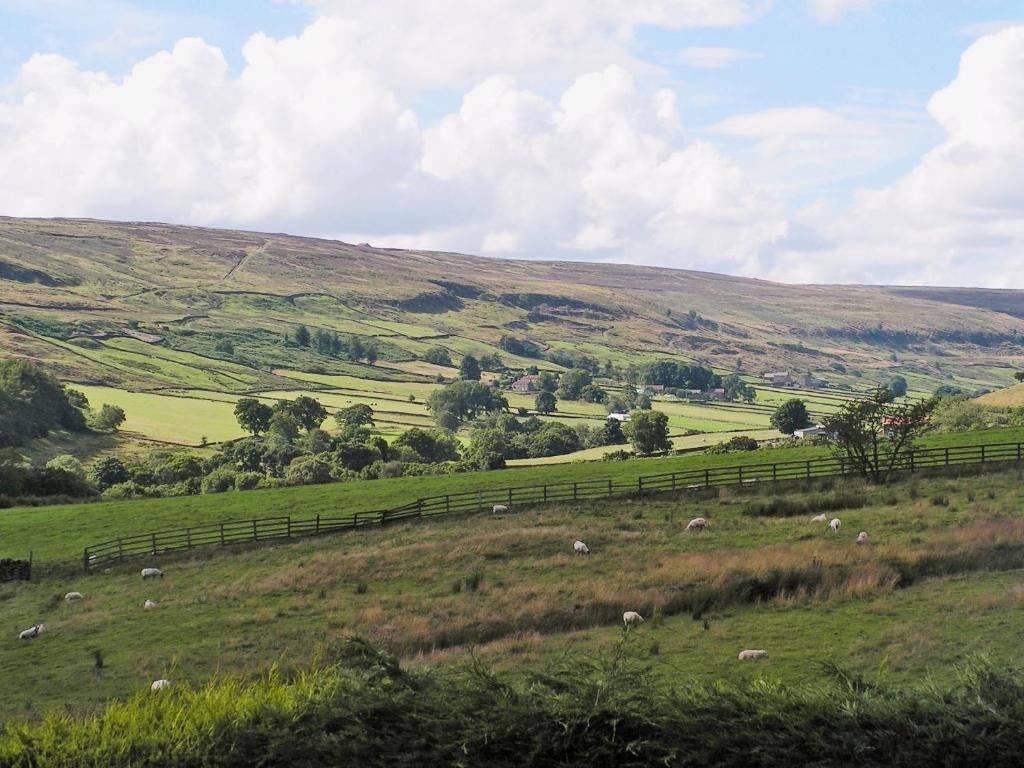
{"points": [[282, 528]]}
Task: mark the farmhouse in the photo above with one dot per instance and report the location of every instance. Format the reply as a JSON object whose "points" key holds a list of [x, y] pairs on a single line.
{"points": [[779, 379], [619, 417], [811, 382], [651, 389], [525, 384], [808, 432], [718, 393]]}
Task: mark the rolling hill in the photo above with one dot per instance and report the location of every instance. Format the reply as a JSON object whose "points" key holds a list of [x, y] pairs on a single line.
{"points": [[149, 307]]}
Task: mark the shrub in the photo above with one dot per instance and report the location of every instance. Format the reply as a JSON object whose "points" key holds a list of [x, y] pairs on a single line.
{"points": [[246, 481], [220, 480], [784, 506]]}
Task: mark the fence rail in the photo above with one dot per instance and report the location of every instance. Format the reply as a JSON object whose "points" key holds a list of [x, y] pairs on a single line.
{"points": [[278, 528]]}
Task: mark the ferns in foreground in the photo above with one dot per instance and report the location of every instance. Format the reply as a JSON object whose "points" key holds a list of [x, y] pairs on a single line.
{"points": [[365, 710]]}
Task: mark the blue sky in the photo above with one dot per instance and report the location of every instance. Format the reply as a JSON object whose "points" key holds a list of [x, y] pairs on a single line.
{"points": [[737, 135]]}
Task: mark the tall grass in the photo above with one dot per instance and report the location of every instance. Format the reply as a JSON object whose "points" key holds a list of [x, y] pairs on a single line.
{"points": [[365, 710]]}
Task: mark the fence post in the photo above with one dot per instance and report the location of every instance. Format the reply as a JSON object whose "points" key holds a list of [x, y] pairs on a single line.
{"points": [[510, 497], [808, 467], [947, 454], [85, 559], [545, 491], [255, 535], [222, 542], [673, 481], [983, 454], [574, 490], [318, 523], [640, 485], [447, 504], [775, 472], [154, 543], [739, 475], [912, 467]]}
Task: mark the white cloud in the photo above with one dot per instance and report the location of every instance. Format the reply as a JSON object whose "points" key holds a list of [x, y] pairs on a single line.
{"points": [[831, 11], [452, 43], [601, 171], [714, 58], [807, 148], [958, 216]]}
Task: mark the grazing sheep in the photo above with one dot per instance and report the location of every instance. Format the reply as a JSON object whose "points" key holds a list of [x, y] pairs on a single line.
{"points": [[862, 537], [159, 685], [74, 596], [152, 573], [499, 509], [632, 618], [818, 518], [150, 605], [697, 524], [753, 655], [580, 548], [835, 523], [32, 632]]}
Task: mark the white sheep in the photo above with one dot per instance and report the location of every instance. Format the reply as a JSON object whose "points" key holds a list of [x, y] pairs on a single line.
{"points": [[753, 655], [499, 509], [862, 537], [150, 605], [74, 596], [159, 685], [697, 524], [580, 548], [835, 523], [632, 618], [32, 632], [818, 518], [152, 573]]}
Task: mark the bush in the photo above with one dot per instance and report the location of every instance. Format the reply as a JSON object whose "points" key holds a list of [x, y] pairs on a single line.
{"points": [[583, 710], [246, 481], [784, 506], [220, 480]]}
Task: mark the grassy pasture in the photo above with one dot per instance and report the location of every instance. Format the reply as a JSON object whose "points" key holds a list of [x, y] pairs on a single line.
{"points": [[59, 533], [511, 586]]}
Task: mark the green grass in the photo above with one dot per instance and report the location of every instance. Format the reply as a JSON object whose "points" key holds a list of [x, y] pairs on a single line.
{"points": [[60, 532], [784, 584]]}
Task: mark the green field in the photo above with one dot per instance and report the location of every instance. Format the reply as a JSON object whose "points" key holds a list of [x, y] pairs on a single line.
{"points": [[510, 587], [58, 533]]}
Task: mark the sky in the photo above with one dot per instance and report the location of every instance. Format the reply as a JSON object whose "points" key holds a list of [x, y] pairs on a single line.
{"points": [[809, 141]]}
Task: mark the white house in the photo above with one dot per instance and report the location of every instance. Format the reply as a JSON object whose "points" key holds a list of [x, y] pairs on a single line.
{"points": [[808, 432], [619, 417]]}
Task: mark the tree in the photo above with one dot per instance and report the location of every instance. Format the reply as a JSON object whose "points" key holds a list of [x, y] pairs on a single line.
{"points": [[469, 369], [307, 411], [547, 381], [611, 433], [65, 462], [898, 386], [876, 436], [553, 439], [355, 349], [573, 382], [253, 416], [283, 424], [649, 432], [302, 336], [464, 401], [429, 445], [359, 415], [491, 362], [107, 472], [545, 402], [791, 416], [1019, 375], [593, 394], [109, 418], [487, 449], [371, 354], [643, 401], [308, 470], [737, 389], [224, 346], [438, 356]]}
